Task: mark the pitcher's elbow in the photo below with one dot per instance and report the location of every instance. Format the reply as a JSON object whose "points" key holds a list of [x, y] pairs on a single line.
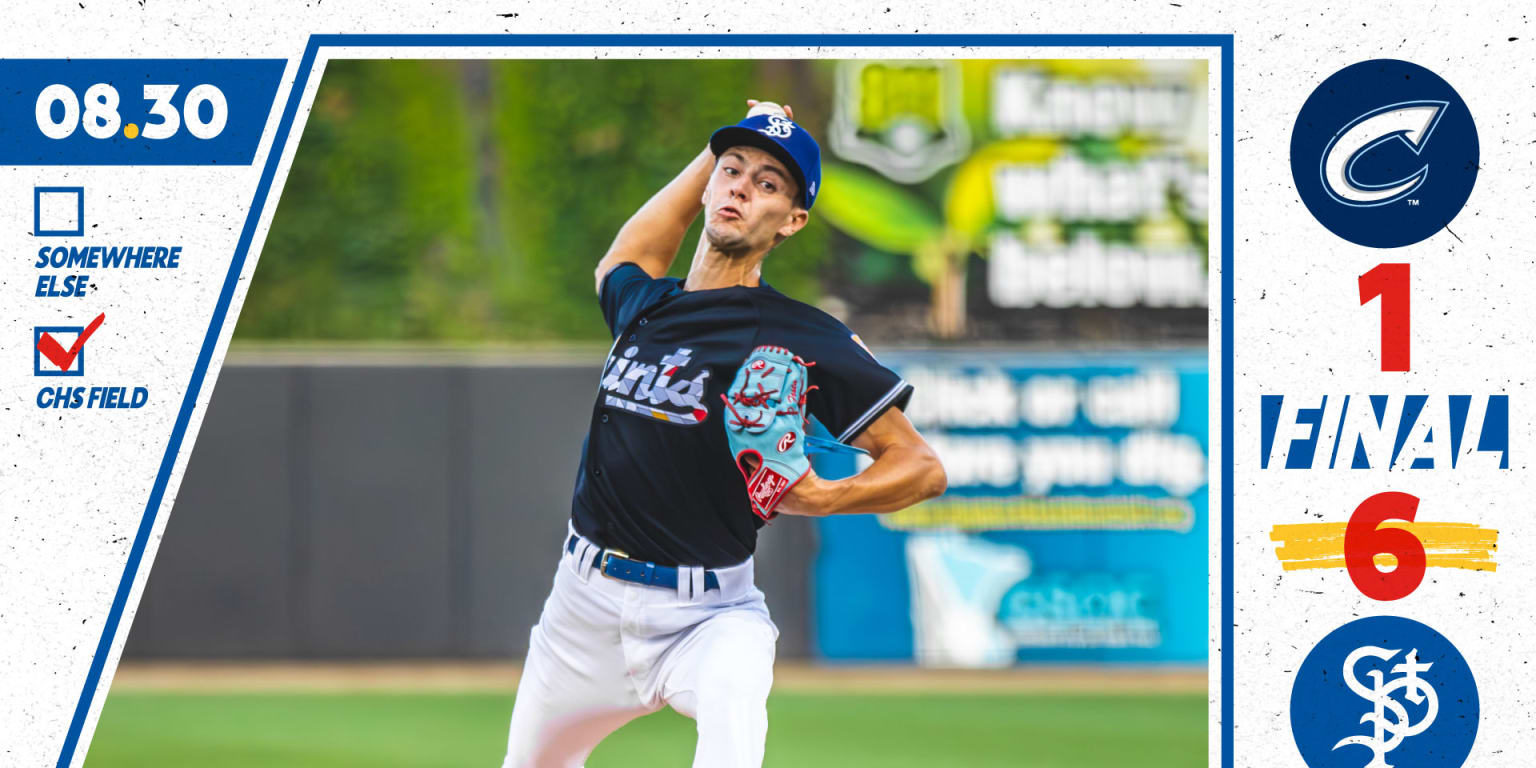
{"points": [[935, 481]]}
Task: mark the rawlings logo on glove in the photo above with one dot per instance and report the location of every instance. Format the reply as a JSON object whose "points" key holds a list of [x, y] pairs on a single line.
{"points": [[765, 420]]}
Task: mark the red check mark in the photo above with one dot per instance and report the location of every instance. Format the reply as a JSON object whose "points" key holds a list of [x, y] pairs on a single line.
{"points": [[55, 352]]}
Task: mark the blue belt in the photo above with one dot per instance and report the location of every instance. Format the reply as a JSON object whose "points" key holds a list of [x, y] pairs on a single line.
{"points": [[616, 565]]}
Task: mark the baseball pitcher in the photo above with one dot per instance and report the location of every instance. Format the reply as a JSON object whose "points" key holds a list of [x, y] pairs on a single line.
{"points": [[697, 439]]}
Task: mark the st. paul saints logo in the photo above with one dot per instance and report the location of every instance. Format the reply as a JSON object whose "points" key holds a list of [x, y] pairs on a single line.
{"points": [[1384, 692]]}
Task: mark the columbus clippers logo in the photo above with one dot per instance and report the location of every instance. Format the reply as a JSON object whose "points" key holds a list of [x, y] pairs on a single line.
{"points": [[655, 391], [1384, 153], [1411, 123]]}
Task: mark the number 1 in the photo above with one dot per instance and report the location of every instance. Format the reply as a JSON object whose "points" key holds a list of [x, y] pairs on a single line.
{"points": [[1390, 283]]}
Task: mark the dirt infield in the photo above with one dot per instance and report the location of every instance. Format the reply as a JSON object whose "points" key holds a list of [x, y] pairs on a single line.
{"points": [[500, 676]]}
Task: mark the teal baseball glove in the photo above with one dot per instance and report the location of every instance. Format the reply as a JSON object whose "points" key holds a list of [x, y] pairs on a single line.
{"points": [[765, 422]]}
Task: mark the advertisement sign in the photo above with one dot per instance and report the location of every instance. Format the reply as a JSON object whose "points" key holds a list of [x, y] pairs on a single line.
{"points": [[1074, 528]]}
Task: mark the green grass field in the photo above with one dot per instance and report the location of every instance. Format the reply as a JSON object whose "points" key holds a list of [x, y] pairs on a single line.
{"points": [[806, 730]]}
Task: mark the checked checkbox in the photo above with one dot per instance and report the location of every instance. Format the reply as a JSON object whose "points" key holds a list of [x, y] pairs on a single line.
{"points": [[61, 361]]}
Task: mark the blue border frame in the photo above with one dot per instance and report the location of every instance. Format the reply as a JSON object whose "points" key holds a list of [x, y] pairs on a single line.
{"points": [[37, 219], [280, 145]]}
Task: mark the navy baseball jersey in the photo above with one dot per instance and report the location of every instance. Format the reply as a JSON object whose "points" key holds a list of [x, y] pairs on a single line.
{"points": [[657, 479]]}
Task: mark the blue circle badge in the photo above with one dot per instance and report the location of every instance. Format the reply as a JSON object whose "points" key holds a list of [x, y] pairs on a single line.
{"points": [[1384, 691], [1384, 153]]}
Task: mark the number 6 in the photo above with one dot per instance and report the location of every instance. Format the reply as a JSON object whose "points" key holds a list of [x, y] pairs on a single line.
{"points": [[1364, 539]]}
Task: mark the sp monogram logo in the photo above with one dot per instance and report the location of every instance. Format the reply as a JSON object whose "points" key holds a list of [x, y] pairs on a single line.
{"points": [[1364, 699], [1389, 719], [778, 127]]}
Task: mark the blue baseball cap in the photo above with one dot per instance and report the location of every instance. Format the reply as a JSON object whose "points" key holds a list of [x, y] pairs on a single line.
{"points": [[784, 139]]}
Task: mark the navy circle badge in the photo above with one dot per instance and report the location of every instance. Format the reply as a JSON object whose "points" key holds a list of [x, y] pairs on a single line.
{"points": [[1384, 153], [1381, 691]]}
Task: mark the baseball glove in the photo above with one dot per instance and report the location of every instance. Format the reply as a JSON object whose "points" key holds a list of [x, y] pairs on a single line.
{"points": [[766, 421]]}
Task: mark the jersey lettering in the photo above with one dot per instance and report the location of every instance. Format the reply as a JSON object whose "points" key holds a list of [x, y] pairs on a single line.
{"points": [[649, 390]]}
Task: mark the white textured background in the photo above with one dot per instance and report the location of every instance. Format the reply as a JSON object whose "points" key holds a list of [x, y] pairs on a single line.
{"points": [[73, 484], [1300, 330]]}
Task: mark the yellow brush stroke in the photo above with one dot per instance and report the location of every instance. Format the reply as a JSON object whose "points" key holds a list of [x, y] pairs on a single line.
{"points": [[1446, 545]]}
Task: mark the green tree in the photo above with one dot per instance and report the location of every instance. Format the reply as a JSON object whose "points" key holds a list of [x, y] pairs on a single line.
{"points": [[470, 200]]}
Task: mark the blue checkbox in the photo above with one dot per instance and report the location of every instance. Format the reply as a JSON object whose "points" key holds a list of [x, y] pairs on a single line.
{"points": [[58, 211]]}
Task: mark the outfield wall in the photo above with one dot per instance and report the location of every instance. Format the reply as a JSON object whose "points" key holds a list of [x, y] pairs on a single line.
{"points": [[371, 505], [384, 510]]}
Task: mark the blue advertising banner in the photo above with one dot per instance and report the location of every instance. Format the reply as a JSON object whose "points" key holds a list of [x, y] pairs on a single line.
{"points": [[135, 111], [1074, 528]]}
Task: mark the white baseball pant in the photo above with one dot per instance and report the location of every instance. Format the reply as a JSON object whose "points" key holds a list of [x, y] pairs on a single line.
{"points": [[607, 651]]}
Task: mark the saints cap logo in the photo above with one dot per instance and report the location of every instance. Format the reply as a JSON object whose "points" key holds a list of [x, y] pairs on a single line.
{"points": [[778, 127]]}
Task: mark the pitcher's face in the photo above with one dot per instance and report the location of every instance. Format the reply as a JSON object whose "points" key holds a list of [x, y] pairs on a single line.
{"points": [[751, 203]]}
